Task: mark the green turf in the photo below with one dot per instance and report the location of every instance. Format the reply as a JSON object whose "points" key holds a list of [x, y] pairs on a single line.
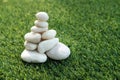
{"points": [[91, 29]]}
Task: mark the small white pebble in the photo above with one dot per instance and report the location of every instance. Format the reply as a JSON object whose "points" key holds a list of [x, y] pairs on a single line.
{"points": [[42, 16], [41, 24], [30, 46], [49, 34], [47, 45], [33, 37], [38, 30]]}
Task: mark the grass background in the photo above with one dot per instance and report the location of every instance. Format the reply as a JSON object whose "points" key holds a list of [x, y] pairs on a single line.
{"points": [[91, 29]]}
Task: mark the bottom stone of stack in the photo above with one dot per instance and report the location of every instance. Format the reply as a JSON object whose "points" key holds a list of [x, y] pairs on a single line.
{"points": [[59, 52], [33, 57]]}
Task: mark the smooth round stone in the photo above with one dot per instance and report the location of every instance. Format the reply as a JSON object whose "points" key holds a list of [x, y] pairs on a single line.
{"points": [[33, 57], [33, 37], [30, 46], [38, 30], [42, 16], [41, 24], [49, 34], [47, 45], [59, 52]]}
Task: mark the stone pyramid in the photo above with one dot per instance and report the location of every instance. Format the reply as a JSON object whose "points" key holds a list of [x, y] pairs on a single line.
{"points": [[41, 43]]}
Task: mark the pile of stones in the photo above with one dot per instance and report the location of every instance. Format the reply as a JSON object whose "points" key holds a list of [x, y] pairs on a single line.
{"points": [[41, 43]]}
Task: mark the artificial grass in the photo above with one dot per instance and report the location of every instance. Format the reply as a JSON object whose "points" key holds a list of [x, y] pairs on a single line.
{"points": [[91, 29]]}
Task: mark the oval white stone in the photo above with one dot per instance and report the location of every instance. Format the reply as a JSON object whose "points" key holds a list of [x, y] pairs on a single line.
{"points": [[49, 34], [42, 16], [59, 52], [33, 57], [47, 45], [41, 24], [37, 29], [30, 46], [33, 37]]}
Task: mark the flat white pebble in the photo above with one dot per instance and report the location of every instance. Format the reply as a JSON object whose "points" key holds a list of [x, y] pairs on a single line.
{"points": [[38, 30], [42, 16], [59, 52], [33, 57], [33, 37], [41, 24], [30, 46], [47, 45], [49, 34]]}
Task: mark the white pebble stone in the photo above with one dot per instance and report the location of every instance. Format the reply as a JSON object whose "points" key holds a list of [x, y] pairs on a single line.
{"points": [[33, 37], [59, 52], [30, 46], [33, 57], [41, 24], [42, 16], [49, 34], [37, 29], [47, 45]]}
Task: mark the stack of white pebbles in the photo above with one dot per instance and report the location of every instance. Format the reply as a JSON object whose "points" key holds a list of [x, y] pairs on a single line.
{"points": [[41, 43]]}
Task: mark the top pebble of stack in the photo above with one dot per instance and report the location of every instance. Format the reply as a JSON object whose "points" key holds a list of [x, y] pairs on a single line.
{"points": [[42, 16]]}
